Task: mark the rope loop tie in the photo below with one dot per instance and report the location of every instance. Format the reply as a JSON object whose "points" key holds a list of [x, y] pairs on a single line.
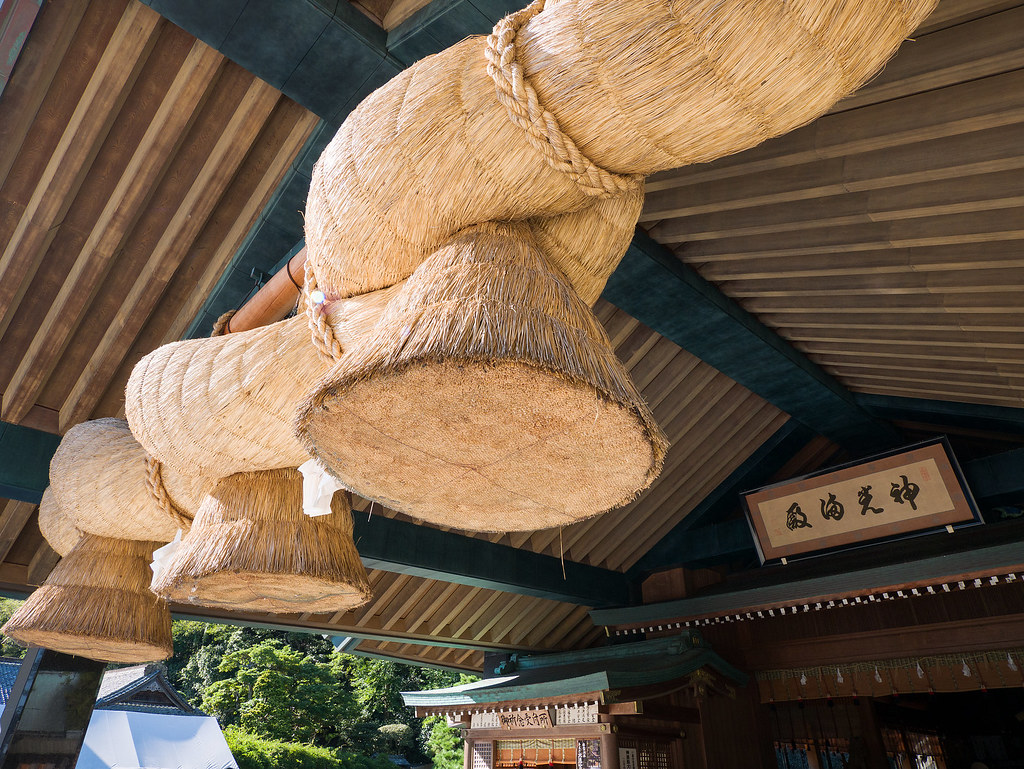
{"points": [[155, 484], [322, 333], [541, 127]]}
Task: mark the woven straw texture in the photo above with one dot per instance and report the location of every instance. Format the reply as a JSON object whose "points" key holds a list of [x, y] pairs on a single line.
{"points": [[96, 603], [225, 404], [100, 477], [57, 529], [490, 398], [654, 84], [251, 547]]}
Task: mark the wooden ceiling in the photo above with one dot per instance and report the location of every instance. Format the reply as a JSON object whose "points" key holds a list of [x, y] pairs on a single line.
{"points": [[881, 241], [884, 240]]}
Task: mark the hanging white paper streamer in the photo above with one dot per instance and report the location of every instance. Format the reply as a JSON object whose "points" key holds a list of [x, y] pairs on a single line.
{"points": [[162, 556], [318, 487]]}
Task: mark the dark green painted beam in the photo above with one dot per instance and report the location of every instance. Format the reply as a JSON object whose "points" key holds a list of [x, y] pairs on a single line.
{"points": [[25, 461], [997, 477], [653, 286], [407, 548], [975, 416], [694, 543], [994, 559]]}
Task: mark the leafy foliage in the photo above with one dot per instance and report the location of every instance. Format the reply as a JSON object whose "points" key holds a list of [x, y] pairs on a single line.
{"points": [[443, 743], [9, 648], [257, 753], [277, 694]]}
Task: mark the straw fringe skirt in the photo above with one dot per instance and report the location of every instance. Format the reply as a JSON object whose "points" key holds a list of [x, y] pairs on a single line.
{"points": [[96, 603], [252, 548]]}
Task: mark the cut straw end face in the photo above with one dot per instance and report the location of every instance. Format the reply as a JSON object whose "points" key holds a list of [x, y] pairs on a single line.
{"points": [[488, 398], [499, 446]]}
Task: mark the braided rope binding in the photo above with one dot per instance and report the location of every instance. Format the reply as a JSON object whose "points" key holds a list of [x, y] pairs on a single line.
{"points": [[541, 127], [155, 484], [324, 340], [220, 326]]}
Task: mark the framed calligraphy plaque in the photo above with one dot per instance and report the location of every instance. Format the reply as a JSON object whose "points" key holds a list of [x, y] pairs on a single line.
{"points": [[912, 490]]}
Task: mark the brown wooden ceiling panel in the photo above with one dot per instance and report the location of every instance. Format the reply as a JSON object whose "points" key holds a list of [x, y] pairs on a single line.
{"points": [[134, 170], [883, 240]]}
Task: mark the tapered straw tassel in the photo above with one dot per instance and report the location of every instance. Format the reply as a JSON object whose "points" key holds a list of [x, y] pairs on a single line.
{"points": [[490, 398], [251, 547], [96, 603]]}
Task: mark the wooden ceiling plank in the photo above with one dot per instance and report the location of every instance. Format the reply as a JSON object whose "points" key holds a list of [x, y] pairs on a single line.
{"points": [[861, 302], [900, 351], [717, 469], [42, 57], [42, 564], [937, 390], [891, 367], [962, 194], [662, 510], [883, 320], [554, 627], [959, 109], [147, 164], [238, 136], [211, 254], [700, 409], [473, 597], [968, 51], [503, 633], [426, 611], [479, 629], [108, 87], [956, 337], [981, 385], [474, 611], [13, 518], [421, 588], [978, 227], [999, 281], [949, 13]]}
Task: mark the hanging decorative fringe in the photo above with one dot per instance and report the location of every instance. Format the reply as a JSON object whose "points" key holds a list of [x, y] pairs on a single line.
{"points": [[489, 398], [96, 603], [252, 548]]}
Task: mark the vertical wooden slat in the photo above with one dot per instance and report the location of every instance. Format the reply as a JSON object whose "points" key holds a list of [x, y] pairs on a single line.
{"points": [[147, 164], [120, 65]]}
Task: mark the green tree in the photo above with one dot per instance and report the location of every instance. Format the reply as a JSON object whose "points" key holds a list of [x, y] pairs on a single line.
{"points": [[9, 648], [443, 743], [276, 692]]}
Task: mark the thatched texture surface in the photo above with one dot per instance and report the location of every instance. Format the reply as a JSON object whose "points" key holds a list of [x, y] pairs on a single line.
{"points": [[57, 528], [251, 547], [96, 603], [654, 84], [99, 480], [490, 398]]}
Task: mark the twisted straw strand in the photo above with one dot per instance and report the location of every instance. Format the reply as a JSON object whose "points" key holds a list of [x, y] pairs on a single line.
{"points": [[541, 127], [324, 340], [155, 484]]}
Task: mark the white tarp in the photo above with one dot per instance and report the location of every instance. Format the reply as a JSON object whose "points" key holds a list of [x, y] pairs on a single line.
{"points": [[131, 740]]}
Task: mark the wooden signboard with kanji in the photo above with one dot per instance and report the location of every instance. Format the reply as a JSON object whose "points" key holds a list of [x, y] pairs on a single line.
{"points": [[912, 490]]}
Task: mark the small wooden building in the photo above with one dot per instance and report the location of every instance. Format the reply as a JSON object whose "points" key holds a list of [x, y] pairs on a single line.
{"points": [[640, 705]]}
